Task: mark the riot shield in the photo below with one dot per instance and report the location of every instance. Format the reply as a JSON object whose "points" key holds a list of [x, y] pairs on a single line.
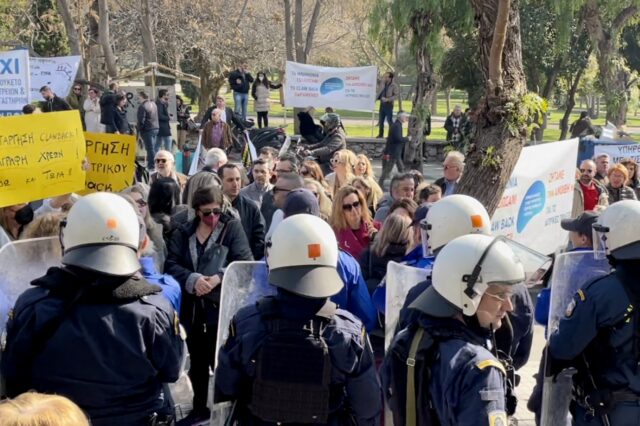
{"points": [[571, 271], [400, 279], [243, 284]]}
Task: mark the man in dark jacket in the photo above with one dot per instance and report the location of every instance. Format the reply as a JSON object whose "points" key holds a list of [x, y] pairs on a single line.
{"points": [[52, 102], [454, 124], [59, 340], [107, 107], [240, 81], [164, 131], [227, 115], [335, 139], [388, 92], [392, 154], [582, 126], [250, 216], [148, 126]]}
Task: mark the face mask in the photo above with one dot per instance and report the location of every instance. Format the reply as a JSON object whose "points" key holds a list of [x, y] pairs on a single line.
{"points": [[210, 220], [24, 216]]}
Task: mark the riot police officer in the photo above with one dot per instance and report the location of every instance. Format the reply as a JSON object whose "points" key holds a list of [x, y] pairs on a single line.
{"points": [[442, 368], [296, 357], [94, 330], [599, 332]]}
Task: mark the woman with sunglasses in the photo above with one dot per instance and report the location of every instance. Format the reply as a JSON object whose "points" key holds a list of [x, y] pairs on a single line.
{"points": [[198, 252], [311, 170], [343, 164], [351, 221], [320, 193]]}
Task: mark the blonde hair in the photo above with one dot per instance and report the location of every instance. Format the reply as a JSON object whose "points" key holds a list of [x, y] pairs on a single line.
{"points": [[620, 169], [395, 230], [36, 409], [46, 225], [375, 192], [338, 221], [323, 200], [315, 172], [369, 167], [348, 158]]}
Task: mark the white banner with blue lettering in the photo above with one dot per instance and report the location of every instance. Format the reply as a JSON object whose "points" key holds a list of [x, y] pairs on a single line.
{"points": [[57, 73], [539, 195], [14, 81], [340, 88]]}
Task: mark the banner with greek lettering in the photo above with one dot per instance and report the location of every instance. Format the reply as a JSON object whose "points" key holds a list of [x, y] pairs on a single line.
{"points": [[14, 81], [539, 194], [617, 152], [58, 73], [41, 156], [345, 88], [111, 162]]}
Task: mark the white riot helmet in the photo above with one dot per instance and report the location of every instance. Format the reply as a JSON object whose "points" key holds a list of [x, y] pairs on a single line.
{"points": [[102, 234], [616, 233], [462, 272], [452, 217], [303, 256]]}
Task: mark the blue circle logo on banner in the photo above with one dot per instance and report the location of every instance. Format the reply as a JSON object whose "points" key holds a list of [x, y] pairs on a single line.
{"points": [[331, 85]]}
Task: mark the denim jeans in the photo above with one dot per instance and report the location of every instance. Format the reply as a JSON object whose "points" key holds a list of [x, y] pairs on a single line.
{"points": [[163, 142], [386, 112], [149, 138], [240, 102]]}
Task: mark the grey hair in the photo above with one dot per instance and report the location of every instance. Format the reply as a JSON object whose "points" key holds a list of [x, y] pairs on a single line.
{"points": [[214, 156], [457, 157]]}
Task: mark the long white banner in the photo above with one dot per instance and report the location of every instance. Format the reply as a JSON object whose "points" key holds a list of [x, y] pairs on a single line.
{"points": [[57, 73], [539, 195], [618, 151], [340, 88], [14, 81]]}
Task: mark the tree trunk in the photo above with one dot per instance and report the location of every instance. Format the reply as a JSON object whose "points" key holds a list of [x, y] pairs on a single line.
{"points": [[434, 104], [311, 31], [288, 30], [571, 102], [613, 75], [149, 52], [494, 150], [104, 38], [297, 35], [72, 32]]}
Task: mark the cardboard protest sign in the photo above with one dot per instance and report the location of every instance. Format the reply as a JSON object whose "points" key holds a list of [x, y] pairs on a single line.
{"points": [[41, 156], [112, 162]]}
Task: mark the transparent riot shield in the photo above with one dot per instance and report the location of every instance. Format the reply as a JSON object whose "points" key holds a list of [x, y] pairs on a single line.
{"points": [[20, 263], [571, 271], [400, 279], [243, 284]]}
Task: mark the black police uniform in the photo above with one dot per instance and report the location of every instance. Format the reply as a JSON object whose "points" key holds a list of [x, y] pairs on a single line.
{"points": [[106, 343]]}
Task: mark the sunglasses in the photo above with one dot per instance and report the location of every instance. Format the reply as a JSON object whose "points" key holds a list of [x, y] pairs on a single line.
{"points": [[586, 170], [161, 160], [334, 161], [276, 189], [141, 203], [349, 207], [215, 212]]}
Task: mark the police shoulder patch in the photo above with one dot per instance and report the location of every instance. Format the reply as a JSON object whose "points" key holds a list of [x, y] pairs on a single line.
{"points": [[491, 363], [498, 418]]}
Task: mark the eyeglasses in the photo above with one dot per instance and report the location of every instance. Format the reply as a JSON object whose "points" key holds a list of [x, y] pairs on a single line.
{"points": [[214, 212], [349, 207], [141, 202], [501, 297], [335, 161], [276, 189], [161, 160]]}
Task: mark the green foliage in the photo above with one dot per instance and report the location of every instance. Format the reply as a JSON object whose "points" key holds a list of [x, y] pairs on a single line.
{"points": [[50, 37], [490, 158], [539, 38], [460, 68], [530, 109]]}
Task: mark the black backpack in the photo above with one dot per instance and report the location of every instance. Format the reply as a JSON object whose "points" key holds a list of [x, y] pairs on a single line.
{"points": [[293, 369], [408, 362]]}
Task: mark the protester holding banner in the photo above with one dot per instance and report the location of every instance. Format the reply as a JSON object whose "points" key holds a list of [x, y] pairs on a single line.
{"points": [[91, 108], [617, 188]]}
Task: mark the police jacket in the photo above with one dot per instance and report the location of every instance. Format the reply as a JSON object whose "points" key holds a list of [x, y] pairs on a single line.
{"points": [[106, 343], [252, 223], [184, 264], [466, 384], [599, 323], [354, 383]]}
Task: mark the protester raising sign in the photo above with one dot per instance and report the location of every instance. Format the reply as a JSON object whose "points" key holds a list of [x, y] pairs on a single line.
{"points": [[41, 156], [539, 194], [112, 162]]}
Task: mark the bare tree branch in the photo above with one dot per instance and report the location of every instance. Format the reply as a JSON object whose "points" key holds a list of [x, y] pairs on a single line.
{"points": [[312, 29], [104, 38], [244, 8], [625, 14]]}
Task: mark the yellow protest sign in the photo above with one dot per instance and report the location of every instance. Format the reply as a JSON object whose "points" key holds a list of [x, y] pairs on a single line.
{"points": [[40, 156], [112, 162]]}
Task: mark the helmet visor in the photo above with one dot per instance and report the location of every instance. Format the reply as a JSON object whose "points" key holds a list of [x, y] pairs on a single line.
{"points": [[535, 264], [599, 237]]}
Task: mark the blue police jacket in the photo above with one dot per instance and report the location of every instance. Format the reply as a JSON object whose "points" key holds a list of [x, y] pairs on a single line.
{"points": [[353, 369], [170, 287], [354, 296], [467, 383], [599, 322], [110, 354], [417, 259]]}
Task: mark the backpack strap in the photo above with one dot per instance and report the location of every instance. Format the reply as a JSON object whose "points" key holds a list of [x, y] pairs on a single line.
{"points": [[411, 385]]}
